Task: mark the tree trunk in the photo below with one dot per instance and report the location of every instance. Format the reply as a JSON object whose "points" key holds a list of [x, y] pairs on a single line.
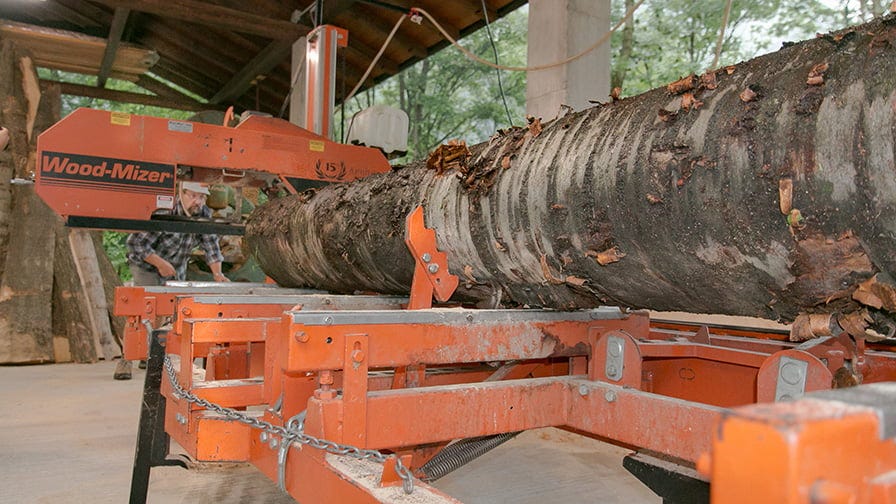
{"points": [[625, 51], [754, 193]]}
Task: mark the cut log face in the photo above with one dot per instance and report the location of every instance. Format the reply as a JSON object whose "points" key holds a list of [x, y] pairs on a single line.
{"points": [[769, 206]]}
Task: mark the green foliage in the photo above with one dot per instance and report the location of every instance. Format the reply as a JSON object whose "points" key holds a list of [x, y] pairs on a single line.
{"points": [[114, 244], [674, 38], [448, 96]]}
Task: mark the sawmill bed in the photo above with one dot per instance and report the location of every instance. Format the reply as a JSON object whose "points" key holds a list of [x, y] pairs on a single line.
{"points": [[68, 434]]}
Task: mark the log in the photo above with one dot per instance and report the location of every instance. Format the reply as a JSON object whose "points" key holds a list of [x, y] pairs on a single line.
{"points": [[71, 308], [110, 280], [26, 334], [93, 286], [765, 189]]}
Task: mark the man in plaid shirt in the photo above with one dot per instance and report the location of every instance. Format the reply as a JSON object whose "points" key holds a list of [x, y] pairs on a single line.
{"points": [[155, 257]]}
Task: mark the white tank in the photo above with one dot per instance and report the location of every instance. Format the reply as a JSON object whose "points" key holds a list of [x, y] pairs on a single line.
{"points": [[380, 126]]}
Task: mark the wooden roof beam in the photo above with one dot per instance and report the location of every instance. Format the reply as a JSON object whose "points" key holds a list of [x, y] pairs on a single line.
{"points": [[367, 52], [119, 21], [126, 97], [196, 11], [160, 88], [402, 41], [186, 77], [263, 62], [476, 7]]}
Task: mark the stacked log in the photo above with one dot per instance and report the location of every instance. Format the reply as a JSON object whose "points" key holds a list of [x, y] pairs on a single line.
{"points": [[765, 189], [45, 305]]}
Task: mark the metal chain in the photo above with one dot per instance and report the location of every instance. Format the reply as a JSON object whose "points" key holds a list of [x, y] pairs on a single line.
{"points": [[287, 435]]}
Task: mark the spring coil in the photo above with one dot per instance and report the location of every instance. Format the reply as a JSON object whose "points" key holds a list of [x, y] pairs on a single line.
{"points": [[460, 453]]}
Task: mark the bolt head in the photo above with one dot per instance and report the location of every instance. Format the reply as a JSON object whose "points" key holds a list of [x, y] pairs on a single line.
{"points": [[358, 355], [273, 442], [263, 437], [301, 336], [433, 268], [610, 396], [426, 257], [583, 390], [325, 395], [186, 311], [614, 348], [791, 373], [612, 371]]}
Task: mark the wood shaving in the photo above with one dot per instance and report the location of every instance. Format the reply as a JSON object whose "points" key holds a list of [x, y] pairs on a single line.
{"points": [[785, 195], [688, 102], [615, 93], [747, 95], [548, 274], [609, 256], [816, 75], [708, 80], [682, 85], [535, 126], [453, 155]]}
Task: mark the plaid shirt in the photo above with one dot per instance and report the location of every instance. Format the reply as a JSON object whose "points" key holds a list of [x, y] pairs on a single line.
{"points": [[173, 247]]}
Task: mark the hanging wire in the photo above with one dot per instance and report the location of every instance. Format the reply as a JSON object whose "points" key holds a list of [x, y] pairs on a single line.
{"points": [[715, 60], [342, 92], [376, 59], [491, 40], [300, 71], [606, 36]]}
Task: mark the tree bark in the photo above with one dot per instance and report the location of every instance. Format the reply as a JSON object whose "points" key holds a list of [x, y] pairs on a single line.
{"points": [[754, 193], [70, 305], [26, 290]]}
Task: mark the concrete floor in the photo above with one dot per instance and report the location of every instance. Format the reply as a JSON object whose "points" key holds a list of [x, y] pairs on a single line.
{"points": [[67, 433]]}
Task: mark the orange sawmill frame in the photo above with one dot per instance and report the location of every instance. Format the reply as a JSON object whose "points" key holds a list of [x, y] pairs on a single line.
{"points": [[390, 375]]}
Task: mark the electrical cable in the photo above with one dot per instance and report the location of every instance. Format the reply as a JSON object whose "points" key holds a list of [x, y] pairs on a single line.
{"points": [[715, 60], [300, 70], [606, 36], [379, 54], [491, 40]]}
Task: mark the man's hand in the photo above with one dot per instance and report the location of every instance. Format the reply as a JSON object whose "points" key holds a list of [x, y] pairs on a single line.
{"points": [[216, 272], [166, 270]]}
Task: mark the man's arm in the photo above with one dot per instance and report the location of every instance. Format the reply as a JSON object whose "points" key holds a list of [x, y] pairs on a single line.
{"points": [[140, 249], [213, 256], [216, 272]]}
